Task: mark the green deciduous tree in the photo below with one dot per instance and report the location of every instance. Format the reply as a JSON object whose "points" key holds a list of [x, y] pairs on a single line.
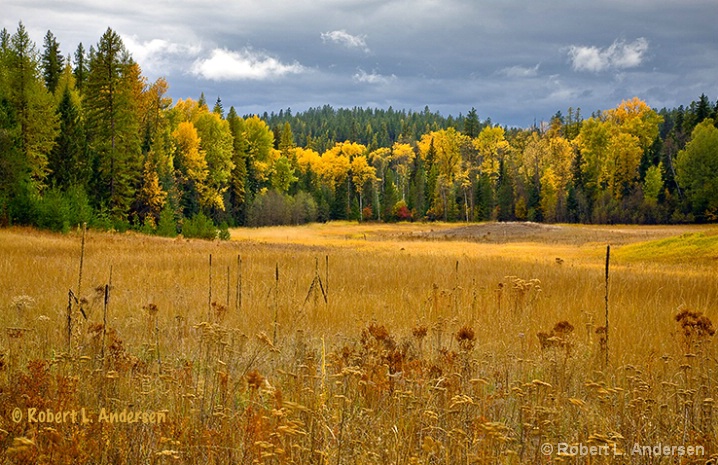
{"points": [[697, 170], [217, 144]]}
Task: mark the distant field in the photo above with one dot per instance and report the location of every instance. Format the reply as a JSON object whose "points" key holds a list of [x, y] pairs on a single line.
{"points": [[360, 343]]}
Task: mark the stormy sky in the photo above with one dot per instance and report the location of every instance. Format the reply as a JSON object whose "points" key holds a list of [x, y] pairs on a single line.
{"points": [[516, 62]]}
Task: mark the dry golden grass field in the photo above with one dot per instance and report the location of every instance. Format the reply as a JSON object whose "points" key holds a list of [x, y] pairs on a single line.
{"points": [[351, 343]]}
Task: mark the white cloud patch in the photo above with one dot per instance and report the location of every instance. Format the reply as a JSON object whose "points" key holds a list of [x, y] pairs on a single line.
{"points": [[246, 64], [620, 55], [342, 37], [373, 78], [157, 54], [520, 71]]}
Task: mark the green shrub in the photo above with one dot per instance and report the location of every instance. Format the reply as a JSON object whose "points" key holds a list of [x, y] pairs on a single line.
{"points": [[59, 211], [199, 227], [224, 234], [167, 226]]}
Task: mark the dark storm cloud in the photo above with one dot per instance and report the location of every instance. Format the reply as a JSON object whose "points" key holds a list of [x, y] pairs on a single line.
{"points": [[514, 61]]}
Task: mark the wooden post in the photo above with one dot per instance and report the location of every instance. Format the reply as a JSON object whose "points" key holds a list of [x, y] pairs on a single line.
{"points": [[608, 258]]}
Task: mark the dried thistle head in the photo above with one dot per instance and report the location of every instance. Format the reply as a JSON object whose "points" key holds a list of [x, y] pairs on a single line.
{"points": [[255, 380], [95, 330], [151, 309], [695, 327], [379, 332], [220, 311], [466, 337], [16, 333], [563, 328], [558, 337], [420, 331]]}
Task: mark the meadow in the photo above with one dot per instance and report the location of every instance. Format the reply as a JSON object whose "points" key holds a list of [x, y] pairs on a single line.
{"points": [[356, 343]]}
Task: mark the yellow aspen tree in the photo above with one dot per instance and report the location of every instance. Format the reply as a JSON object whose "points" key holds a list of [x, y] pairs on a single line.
{"points": [[549, 195], [334, 168], [492, 146], [307, 160], [362, 173], [402, 157]]}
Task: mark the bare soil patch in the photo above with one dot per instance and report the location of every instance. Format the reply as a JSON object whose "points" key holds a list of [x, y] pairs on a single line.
{"points": [[506, 232]]}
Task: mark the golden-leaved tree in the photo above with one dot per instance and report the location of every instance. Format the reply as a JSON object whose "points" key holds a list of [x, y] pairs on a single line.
{"points": [[613, 143], [191, 166], [362, 174]]}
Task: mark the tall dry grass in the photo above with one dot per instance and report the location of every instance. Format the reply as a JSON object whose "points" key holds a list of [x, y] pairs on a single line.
{"points": [[425, 351]]}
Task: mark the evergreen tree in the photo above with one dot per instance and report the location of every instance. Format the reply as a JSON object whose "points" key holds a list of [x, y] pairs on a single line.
{"points": [[52, 62], [505, 195], [80, 69], [12, 172], [472, 126], [112, 124], [34, 106], [68, 160], [286, 140], [238, 191], [218, 108], [432, 174], [417, 188]]}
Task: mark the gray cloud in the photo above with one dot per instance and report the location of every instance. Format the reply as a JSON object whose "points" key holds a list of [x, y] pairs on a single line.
{"points": [[513, 61]]}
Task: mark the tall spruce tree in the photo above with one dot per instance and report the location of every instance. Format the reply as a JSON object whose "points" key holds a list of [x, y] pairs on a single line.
{"points": [[239, 192], [68, 159], [472, 126], [112, 124], [52, 62], [80, 69]]}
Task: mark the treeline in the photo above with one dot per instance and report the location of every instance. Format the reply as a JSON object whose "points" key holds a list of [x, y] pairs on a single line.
{"points": [[320, 128], [87, 138]]}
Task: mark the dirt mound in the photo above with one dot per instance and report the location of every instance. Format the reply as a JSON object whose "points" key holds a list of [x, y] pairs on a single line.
{"points": [[510, 231]]}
